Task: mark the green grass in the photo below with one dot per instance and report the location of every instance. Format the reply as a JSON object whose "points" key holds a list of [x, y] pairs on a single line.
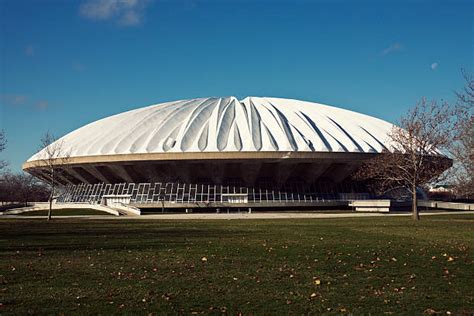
{"points": [[65, 212], [365, 265]]}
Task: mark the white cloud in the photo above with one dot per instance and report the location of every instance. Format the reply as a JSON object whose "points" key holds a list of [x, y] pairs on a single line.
{"points": [[42, 105], [29, 50], [434, 66], [123, 12], [130, 18], [13, 99], [393, 48], [78, 67], [23, 102]]}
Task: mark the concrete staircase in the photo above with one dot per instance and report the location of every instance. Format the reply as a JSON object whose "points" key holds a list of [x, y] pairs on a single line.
{"points": [[126, 210], [45, 205]]}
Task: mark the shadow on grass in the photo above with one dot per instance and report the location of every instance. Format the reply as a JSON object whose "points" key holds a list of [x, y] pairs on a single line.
{"points": [[104, 235]]}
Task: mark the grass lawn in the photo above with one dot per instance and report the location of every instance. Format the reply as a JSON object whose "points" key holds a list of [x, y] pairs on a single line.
{"points": [[65, 212], [355, 265]]}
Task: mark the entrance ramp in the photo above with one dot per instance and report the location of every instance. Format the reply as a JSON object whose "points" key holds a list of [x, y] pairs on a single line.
{"points": [[45, 206], [126, 210]]}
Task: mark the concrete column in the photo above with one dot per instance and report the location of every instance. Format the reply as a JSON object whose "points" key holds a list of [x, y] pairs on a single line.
{"points": [[76, 175], [183, 171], [284, 172], [121, 172], [216, 173], [311, 174], [94, 172], [250, 172], [344, 171]]}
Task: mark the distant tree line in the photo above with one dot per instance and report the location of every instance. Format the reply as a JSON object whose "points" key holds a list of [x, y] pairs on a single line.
{"points": [[3, 145], [19, 188], [22, 188]]}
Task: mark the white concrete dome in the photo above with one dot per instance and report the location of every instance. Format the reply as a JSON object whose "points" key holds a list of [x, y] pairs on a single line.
{"points": [[255, 124]]}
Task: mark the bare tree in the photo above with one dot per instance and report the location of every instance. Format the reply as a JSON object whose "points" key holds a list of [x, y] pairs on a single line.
{"points": [[52, 159], [462, 148], [29, 188], [3, 145], [415, 155], [3, 183], [22, 188]]}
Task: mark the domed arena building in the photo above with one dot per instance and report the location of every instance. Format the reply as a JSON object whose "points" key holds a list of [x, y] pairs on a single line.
{"points": [[219, 152]]}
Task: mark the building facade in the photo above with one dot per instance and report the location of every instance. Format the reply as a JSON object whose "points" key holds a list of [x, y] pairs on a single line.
{"points": [[216, 150]]}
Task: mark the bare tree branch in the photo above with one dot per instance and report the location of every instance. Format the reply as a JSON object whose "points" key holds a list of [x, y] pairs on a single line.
{"points": [[415, 156], [462, 148], [3, 145], [52, 159], [22, 188]]}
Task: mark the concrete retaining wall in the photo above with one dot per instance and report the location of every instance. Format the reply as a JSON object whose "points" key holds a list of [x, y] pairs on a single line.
{"points": [[45, 205], [125, 209], [382, 206], [223, 205], [447, 205]]}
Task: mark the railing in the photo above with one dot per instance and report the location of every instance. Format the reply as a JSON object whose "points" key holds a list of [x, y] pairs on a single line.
{"points": [[194, 193]]}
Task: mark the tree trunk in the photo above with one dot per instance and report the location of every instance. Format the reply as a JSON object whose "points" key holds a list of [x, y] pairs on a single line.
{"points": [[50, 210], [414, 206], [50, 207]]}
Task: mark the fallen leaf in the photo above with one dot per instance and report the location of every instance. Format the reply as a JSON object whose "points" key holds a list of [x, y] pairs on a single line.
{"points": [[429, 311]]}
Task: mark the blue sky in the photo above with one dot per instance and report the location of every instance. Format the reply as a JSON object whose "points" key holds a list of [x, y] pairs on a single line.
{"points": [[67, 63]]}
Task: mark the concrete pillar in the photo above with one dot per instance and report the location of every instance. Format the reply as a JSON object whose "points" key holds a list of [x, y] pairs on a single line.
{"points": [[250, 172], [76, 175], [343, 172], [121, 172], [183, 171], [284, 172], [96, 174], [216, 172]]}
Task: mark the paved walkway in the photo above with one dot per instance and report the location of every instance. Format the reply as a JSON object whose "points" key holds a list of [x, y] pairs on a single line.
{"points": [[259, 215]]}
